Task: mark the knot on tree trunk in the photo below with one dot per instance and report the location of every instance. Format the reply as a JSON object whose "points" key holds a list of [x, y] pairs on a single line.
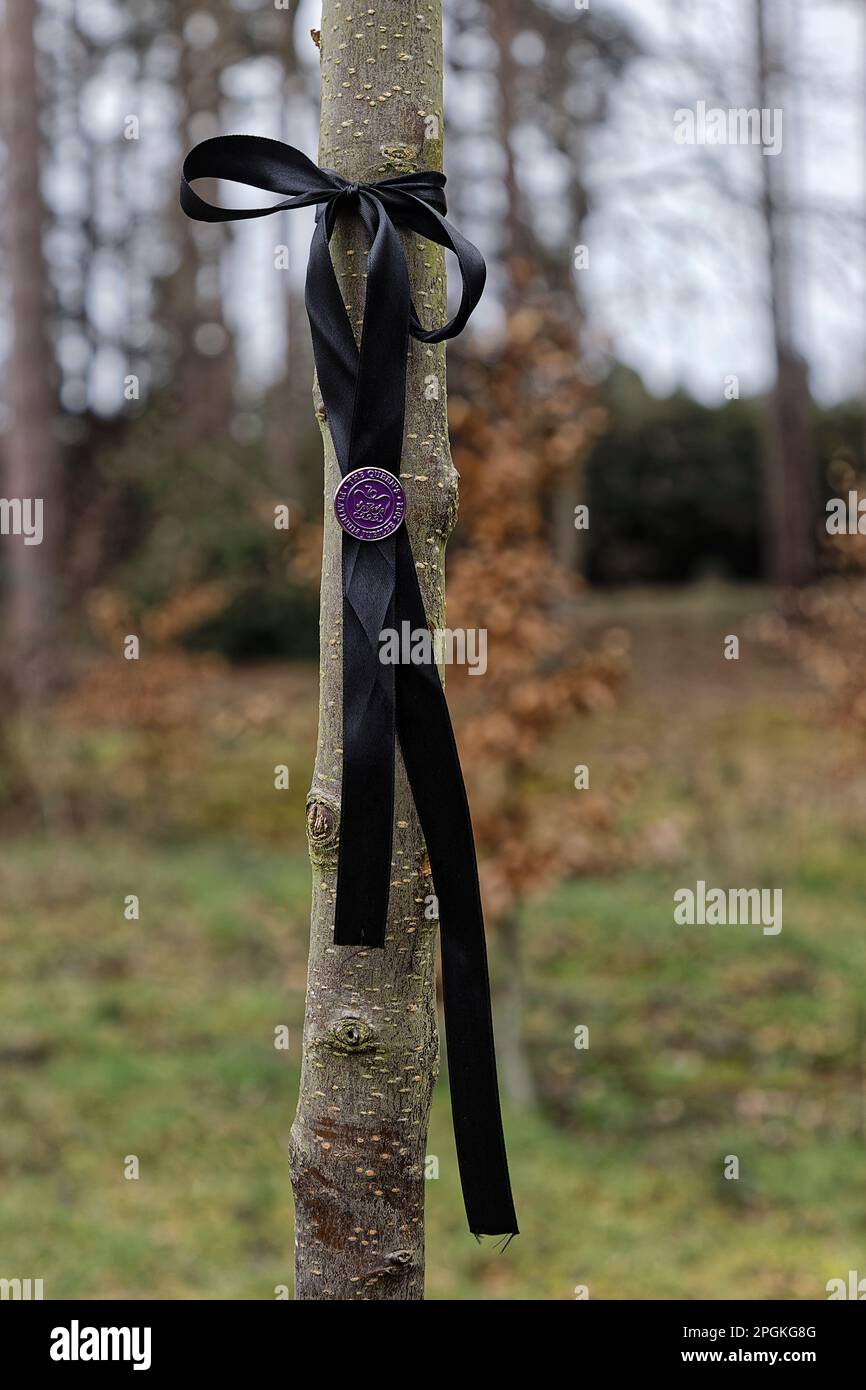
{"points": [[351, 1037], [403, 159], [323, 829]]}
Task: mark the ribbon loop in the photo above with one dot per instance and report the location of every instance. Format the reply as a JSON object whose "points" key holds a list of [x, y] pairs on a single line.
{"points": [[364, 391]]}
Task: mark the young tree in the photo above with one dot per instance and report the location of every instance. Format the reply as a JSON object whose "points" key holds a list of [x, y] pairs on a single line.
{"points": [[370, 1049], [205, 384]]}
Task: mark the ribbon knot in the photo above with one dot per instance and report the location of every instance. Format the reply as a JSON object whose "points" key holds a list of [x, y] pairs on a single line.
{"points": [[364, 390]]}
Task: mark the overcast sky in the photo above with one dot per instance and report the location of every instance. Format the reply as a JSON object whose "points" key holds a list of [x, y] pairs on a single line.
{"points": [[676, 282]]}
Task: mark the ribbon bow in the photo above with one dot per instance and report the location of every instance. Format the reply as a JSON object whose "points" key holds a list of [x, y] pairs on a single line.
{"points": [[364, 391]]}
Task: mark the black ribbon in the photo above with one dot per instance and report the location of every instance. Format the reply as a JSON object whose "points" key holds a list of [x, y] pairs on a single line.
{"points": [[364, 391]]}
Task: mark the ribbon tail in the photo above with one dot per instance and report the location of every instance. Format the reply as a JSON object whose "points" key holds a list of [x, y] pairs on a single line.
{"points": [[424, 725], [334, 348], [369, 737]]}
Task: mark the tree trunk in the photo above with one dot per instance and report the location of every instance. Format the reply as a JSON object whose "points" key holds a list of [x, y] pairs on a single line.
{"points": [[30, 447], [204, 386], [790, 486], [517, 1079], [370, 1048], [516, 232]]}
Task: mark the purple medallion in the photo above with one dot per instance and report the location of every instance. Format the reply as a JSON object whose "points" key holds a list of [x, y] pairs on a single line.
{"points": [[370, 504]]}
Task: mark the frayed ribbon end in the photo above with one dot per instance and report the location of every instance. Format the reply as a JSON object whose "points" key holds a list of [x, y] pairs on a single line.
{"points": [[502, 1244]]}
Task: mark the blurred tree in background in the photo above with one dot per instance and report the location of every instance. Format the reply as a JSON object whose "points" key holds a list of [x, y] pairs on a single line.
{"points": [[32, 661]]}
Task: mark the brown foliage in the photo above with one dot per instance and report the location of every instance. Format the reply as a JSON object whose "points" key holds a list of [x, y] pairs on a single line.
{"points": [[521, 421], [822, 626]]}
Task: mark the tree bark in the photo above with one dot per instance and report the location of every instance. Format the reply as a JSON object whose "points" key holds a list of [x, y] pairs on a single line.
{"points": [[30, 447], [516, 231], [518, 1083], [790, 484], [204, 386], [370, 1047]]}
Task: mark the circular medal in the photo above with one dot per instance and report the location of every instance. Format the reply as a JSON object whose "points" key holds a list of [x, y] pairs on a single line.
{"points": [[370, 504]]}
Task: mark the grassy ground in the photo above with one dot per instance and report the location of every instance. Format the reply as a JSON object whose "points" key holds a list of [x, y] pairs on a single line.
{"points": [[155, 1038]]}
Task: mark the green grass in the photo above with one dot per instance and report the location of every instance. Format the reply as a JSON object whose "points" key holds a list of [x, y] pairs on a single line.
{"points": [[155, 1038]]}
